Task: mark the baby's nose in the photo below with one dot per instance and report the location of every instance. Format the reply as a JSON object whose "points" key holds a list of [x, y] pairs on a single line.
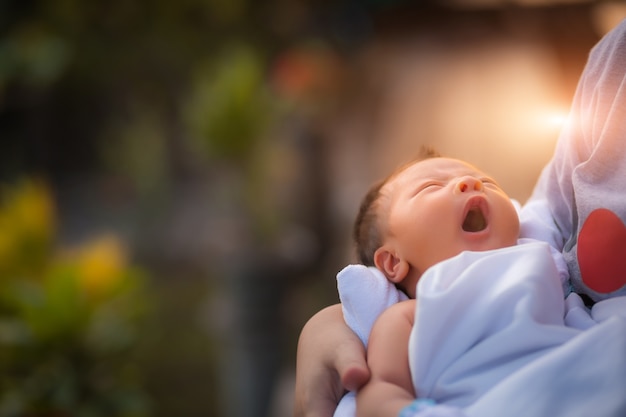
{"points": [[468, 184]]}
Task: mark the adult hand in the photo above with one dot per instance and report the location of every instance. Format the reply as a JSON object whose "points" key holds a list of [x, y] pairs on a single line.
{"points": [[330, 360]]}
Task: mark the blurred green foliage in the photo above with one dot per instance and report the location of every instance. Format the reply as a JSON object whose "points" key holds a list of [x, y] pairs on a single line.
{"points": [[125, 104], [96, 71], [68, 317], [230, 106]]}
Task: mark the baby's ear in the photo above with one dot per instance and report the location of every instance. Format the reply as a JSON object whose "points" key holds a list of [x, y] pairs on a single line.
{"points": [[393, 267]]}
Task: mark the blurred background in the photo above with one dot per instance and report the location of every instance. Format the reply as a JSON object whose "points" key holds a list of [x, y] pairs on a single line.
{"points": [[178, 179]]}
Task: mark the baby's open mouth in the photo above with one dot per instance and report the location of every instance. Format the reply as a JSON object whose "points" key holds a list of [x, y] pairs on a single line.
{"points": [[475, 220]]}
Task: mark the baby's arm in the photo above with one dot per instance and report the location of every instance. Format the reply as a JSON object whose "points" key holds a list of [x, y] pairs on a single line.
{"points": [[390, 387]]}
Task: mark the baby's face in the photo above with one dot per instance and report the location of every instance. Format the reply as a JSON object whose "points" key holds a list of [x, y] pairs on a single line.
{"points": [[439, 207]]}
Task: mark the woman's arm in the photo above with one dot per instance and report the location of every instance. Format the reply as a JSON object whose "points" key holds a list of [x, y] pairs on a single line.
{"points": [[330, 360], [390, 387]]}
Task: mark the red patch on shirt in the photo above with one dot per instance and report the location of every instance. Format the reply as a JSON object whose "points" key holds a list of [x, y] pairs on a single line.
{"points": [[602, 251]]}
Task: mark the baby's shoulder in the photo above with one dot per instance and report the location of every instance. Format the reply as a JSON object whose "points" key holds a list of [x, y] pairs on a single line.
{"points": [[399, 312]]}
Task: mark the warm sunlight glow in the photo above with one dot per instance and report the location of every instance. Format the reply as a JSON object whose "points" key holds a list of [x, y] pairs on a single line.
{"points": [[556, 119]]}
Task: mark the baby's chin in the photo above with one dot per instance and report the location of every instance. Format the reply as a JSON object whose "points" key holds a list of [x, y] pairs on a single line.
{"points": [[488, 245]]}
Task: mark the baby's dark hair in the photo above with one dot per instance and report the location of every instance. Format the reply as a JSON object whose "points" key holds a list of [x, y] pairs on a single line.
{"points": [[366, 232]]}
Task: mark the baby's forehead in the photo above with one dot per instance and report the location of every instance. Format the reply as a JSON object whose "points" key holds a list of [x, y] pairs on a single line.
{"points": [[438, 168]]}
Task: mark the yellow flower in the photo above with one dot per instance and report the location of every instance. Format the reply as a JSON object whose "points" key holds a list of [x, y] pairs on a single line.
{"points": [[26, 225], [101, 265], [32, 208]]}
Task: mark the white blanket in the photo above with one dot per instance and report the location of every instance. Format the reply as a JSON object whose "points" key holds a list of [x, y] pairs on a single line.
{"points": [[493, 336]]}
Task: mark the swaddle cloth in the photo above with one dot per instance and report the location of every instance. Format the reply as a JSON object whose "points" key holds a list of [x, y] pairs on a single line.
{"points": [[365, 293], [482, 315], [490, 338], [495, 324]]}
